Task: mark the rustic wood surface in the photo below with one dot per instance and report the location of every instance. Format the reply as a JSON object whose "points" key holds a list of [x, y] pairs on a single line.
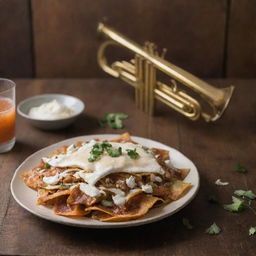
{"points": [[215, 149]]}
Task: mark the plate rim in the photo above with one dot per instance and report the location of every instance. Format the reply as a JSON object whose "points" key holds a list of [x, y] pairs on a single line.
{"points": [[103, 225]]}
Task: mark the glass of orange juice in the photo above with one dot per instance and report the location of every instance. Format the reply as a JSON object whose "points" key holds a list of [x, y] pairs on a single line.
{"points": [[7, 115]]}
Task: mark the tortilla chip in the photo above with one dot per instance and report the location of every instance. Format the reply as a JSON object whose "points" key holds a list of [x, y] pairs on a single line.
{"points": [[62, 208], [179, 189], [162, 154], [50, 199], [32, 179], [183, 173], [173, 192], [125, 137], [145, 203], [78, 197]]}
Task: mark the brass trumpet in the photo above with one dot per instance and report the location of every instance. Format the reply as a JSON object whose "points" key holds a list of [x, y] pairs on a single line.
{"points": [[140, 72]]}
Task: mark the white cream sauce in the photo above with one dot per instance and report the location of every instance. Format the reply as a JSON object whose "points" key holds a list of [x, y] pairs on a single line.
{"points": [[106, 164], [52, 110]]}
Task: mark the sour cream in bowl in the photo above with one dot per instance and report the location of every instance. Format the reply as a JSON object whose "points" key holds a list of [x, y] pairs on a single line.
{"points": [[51, 111]]}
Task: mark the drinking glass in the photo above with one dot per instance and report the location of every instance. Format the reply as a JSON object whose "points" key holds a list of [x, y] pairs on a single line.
{"points": [[7, 115]]}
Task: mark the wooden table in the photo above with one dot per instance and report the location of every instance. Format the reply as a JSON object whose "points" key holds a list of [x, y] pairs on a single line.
{"points": [[214, 147]]}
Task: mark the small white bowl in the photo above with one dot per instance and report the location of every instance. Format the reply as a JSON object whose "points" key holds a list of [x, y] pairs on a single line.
{"points": [[74, 103]]}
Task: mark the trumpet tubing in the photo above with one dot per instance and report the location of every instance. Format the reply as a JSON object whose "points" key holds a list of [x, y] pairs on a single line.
{"points": [[140, 72]]}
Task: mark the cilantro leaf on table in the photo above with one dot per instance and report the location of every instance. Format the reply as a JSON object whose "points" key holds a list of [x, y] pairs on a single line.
{"points": [[186, 223], [247, 193], [240, 169], [252, 231], [113, 120], [236, 206], [213, 229]]}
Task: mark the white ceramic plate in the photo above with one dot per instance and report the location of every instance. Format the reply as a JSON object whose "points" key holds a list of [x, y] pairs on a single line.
{"points": [[26, 197]]}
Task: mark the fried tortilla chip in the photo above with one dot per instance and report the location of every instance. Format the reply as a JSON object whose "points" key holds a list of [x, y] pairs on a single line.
{"points": [[125, 137], [78, 197], [50, 199], [144, 203], [62, 208], [173, 192]]}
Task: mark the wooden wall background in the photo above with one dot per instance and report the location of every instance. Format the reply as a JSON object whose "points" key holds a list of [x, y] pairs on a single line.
{"points": [[57, 38]]}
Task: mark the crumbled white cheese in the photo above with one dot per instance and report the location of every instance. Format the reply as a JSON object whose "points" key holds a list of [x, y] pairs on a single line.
{"points": [[90, 190], [220, 183], [147, 188], [167, 162], [119, 200], [130, 182], [51, 180], [158, 179]]}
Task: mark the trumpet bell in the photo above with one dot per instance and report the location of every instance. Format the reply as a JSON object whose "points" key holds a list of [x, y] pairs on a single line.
{"points": [[140, 72]]}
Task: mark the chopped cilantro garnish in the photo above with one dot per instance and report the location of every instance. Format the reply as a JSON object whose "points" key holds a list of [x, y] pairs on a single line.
{"points": [[114, 152], [106, 145], [213, 229], [132, 153], [99, 148], [240, 169], [236, 206], [96, 152], [249, 194], [93, 158], [186, 223], [113, 120], [252, 231]]}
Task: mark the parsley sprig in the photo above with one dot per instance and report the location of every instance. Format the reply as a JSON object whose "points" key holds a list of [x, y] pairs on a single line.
{"points": [[113, 120], [245, 193], [240, 169], [252, 231], [236, 206], [214, 229]]}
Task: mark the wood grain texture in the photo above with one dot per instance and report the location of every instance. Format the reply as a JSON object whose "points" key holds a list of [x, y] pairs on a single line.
{"points": [[214, 148], [241, 59], [15, 39], [66, 42]]}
